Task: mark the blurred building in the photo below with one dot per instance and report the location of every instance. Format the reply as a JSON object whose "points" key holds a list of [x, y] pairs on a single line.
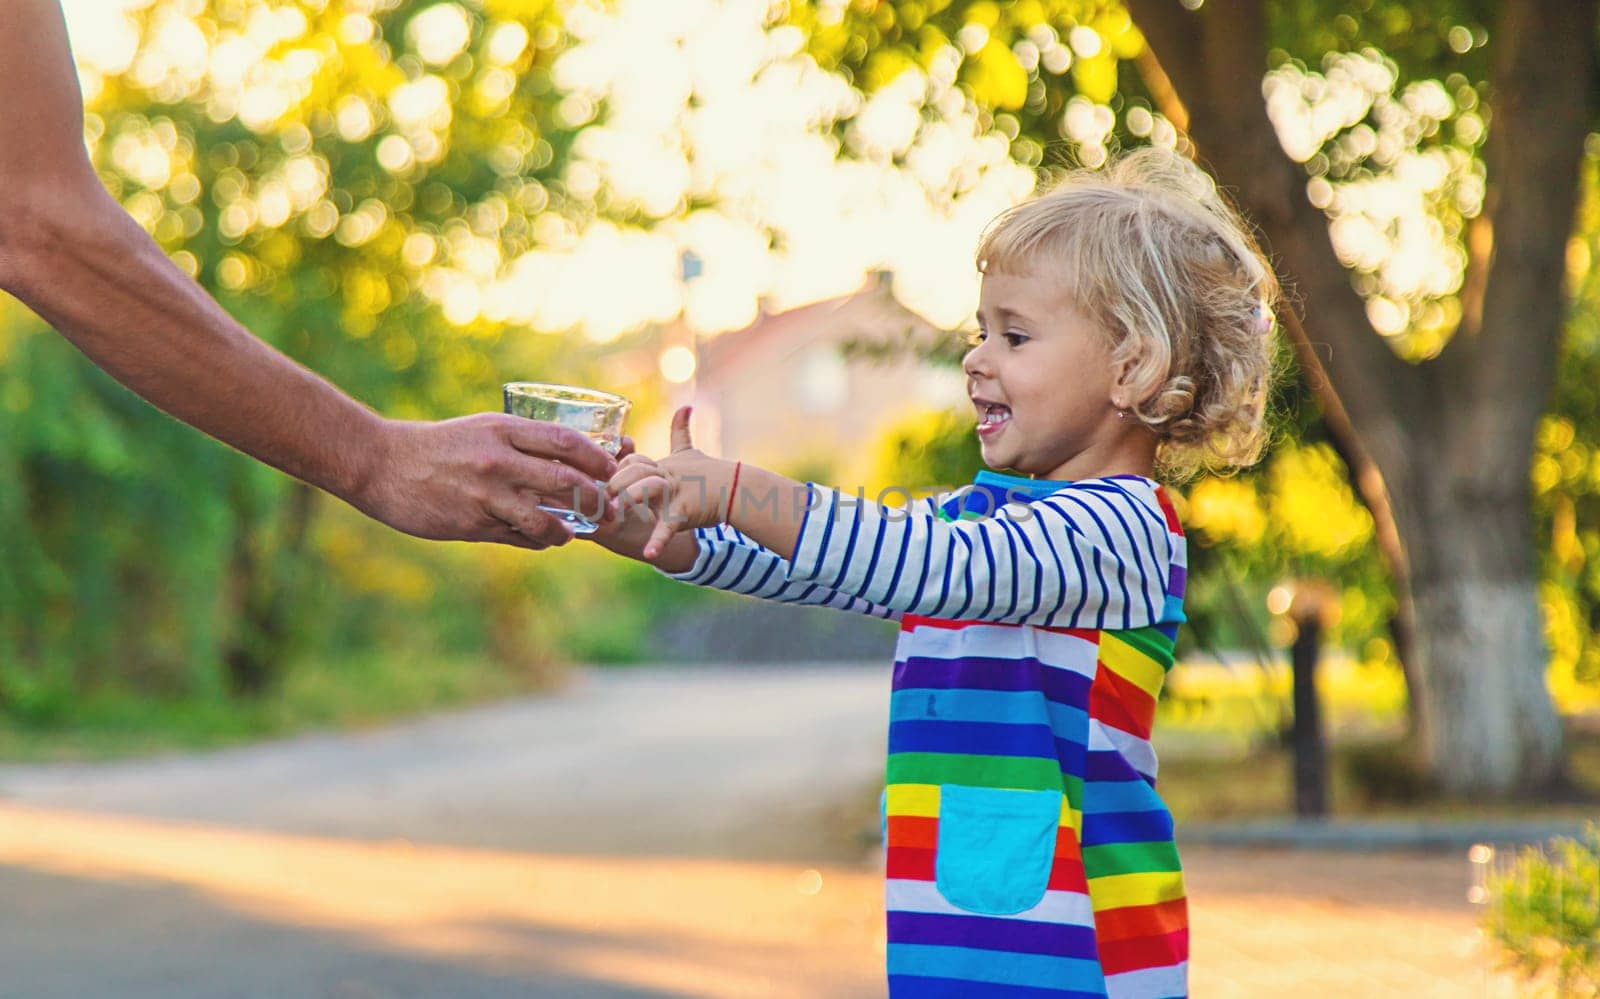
{"points": [[786, 393]]}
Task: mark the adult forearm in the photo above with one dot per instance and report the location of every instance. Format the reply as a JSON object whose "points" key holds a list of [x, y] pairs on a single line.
{"points": [[81, 263], [70, 252]]}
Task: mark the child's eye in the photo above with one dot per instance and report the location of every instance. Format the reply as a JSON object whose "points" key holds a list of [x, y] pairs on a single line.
{"points": [[1014, 338]]}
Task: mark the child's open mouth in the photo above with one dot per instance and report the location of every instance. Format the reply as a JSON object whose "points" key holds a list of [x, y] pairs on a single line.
{"points": [[992, 418]]}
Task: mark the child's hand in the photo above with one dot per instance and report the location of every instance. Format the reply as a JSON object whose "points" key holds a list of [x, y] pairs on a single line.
{"points": [[624, 531], [686, 489]]}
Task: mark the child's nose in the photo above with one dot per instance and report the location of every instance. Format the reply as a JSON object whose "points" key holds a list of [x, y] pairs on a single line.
{"points": [[974, 361]]}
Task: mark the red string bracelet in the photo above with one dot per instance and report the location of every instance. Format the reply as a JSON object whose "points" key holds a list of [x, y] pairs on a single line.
{"points": [[733, 491]]}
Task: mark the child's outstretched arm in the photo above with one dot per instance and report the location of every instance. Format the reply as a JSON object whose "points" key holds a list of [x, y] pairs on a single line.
{"points": [[1098, 553], [691, 489], [1093, 554], [654, 504], [719, 557]]}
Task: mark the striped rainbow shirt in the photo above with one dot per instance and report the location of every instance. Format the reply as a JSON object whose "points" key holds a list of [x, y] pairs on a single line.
{"points": [[1028, 854]]}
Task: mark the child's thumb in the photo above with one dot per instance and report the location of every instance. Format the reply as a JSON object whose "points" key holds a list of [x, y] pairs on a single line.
{"points": [[681, 440]]}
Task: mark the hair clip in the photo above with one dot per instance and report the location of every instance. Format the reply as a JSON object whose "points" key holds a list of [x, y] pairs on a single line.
{"points": [[1263, 320]]}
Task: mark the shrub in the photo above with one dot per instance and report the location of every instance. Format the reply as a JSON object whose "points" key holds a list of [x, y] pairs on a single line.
{"points": [[1544, 913]]}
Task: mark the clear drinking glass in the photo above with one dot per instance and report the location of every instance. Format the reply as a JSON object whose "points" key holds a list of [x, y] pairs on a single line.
{"points": [[589, 411]]}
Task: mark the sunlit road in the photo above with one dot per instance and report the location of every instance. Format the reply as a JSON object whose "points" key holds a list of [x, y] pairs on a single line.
{"points": [[648, 835], [633, 761]]}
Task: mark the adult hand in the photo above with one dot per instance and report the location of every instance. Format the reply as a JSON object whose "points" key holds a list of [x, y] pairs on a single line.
{"points": [[71, 253], [482, 478]]}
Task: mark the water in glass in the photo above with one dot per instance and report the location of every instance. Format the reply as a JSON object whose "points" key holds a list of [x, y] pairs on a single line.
{"points": [[596, 414]]}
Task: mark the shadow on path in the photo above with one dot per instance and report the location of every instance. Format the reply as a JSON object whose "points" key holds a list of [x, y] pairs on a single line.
{"points": [[71, 939], [104, 905]]}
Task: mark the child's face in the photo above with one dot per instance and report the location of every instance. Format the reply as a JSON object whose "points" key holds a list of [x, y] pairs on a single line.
{"points": [[1041, 380]]}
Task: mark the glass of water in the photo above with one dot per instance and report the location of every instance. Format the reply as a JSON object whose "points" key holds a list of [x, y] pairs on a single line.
{"points": [[589, 411]]}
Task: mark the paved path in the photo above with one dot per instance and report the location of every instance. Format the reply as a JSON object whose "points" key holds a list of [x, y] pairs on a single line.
{"points": [[640, 838], [693, 761], [1278, 923]]}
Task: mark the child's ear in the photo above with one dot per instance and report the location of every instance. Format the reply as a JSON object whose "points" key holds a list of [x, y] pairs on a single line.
{"points": [[1127, 371]]}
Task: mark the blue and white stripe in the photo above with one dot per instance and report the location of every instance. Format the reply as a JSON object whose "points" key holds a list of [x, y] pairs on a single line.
{"points": [[1083, 556]]}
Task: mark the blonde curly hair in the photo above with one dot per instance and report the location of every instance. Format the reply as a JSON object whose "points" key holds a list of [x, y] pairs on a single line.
{"points": [[1151, 250]]}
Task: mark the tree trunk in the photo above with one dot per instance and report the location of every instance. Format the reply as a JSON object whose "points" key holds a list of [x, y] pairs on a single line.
{"points": [[1495, 729], [1452, 436], [1489, 722]]}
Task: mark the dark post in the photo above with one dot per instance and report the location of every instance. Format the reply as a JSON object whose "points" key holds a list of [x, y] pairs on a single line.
{"points": [[1309, 610]]}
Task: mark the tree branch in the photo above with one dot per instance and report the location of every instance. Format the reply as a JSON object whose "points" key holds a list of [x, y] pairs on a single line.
{"points": [[1169, 45], [1480, 249], [1160, 87]]}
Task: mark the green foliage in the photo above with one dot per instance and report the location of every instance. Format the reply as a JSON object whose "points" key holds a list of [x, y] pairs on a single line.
{"points": [[116, 527], [927, 450], [1544, 913], [1034, 66], [314, 172], [1019, 61], [343, 690], [1566, 467], [134, 553], [1427, 39], [1293, 515]]}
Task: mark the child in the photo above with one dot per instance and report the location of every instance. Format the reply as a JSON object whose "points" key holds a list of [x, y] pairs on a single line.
{"points": [[1124, 325]]}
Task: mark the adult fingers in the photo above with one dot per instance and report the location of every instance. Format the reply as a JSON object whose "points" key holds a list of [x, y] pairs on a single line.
{"points": [[681, 441], [563, 444], [532, 523], [625, 449], [545, 481], [504, 534]]}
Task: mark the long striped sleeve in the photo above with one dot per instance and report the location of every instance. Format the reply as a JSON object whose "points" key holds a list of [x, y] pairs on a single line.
{"points": [[730, 561], [1091, 554]]}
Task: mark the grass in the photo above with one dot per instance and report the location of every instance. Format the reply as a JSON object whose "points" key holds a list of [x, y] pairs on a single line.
{"points": [[1221, 759], [1260, 785], [349, 693]]}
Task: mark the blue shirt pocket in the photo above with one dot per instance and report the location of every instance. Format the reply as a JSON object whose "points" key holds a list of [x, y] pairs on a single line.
{"points": [[996, 847]]}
